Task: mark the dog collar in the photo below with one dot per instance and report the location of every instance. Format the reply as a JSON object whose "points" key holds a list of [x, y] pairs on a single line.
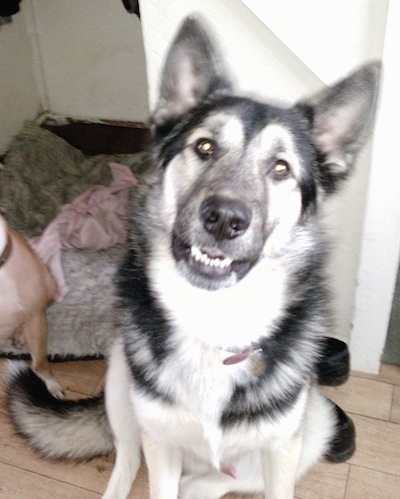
{"points": [[240, 355], [6, 252], [253, 352]]}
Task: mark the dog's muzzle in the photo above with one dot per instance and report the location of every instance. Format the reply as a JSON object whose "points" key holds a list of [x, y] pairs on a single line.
{"points": [[208, 261], [225, 218]]}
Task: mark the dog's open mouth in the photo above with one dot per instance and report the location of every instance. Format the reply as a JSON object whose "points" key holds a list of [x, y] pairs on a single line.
{"points": [[208, 263], [210, 260]]}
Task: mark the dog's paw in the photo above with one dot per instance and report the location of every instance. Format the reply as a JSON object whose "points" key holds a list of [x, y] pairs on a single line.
{"points": [[54, 388]]}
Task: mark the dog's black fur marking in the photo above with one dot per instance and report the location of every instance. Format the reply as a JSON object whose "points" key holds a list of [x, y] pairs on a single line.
{"points": [[282, 347], [243, 406], [135, 296]]}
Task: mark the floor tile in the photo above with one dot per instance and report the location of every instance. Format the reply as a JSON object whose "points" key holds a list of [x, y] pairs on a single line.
{"points": [[100, 384], [79, 376], [325, 480], [395, 414], [14, 451], [21, 484], [369, 484], [378, 445], [140, 487], [364, 397], [388, 373]]}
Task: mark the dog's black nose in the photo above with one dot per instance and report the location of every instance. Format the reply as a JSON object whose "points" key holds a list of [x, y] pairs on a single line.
{"points": [[225, 218]]}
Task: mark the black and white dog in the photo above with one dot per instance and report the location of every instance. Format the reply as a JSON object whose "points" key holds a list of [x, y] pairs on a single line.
{"points": [[222, 301]]}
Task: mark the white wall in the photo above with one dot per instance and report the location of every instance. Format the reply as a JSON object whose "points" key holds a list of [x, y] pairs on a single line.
{"points": [[80, 58], [381, 232], [19, 99], [258, 60], [330, 37], [92, 59]]}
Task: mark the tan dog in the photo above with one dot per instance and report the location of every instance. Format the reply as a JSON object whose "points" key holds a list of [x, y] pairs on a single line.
{"points": [[26, 289]]}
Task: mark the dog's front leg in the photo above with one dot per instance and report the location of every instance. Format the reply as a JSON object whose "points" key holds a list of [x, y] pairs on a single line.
{"points": [[164, 464], [280, 461], [124, 425], [34, 330]]}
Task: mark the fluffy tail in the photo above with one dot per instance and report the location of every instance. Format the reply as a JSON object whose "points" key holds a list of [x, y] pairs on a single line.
{"points": [[60, 429]]}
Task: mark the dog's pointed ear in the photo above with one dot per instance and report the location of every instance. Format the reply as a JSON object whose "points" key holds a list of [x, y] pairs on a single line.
{"points": [[342, 117], [193, 70]]}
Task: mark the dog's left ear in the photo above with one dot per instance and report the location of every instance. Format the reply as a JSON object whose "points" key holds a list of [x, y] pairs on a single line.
{"points": [[342, 117], [193, 70]]}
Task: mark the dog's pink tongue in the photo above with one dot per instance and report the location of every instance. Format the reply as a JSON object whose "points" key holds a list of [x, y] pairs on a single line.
{"points": [[228, 470]]}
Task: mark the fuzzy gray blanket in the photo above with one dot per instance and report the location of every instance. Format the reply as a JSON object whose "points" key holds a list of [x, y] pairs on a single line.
{"points": [[40, 173]]}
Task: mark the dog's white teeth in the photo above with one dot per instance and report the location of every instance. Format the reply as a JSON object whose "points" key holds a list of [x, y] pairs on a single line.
{"points": [[203, 258], [197, 254]]}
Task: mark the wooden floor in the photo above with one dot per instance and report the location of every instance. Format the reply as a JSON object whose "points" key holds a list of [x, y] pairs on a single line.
{"points": [[373, 472]]}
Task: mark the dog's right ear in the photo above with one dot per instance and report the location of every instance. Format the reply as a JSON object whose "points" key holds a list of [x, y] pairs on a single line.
{"points": [[193, 70], [343, 117]]}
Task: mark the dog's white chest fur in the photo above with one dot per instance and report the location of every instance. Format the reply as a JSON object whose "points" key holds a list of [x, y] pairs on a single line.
{"points": [[230, 317], [201, 386], [193, 419], [208, 326]]}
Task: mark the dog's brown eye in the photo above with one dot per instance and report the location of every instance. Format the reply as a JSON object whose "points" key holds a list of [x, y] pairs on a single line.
{"points": [[281, 168], [205, 148]]}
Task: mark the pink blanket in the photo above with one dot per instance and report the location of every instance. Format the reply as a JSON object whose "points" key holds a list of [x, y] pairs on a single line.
{"points": [[95, 220]]}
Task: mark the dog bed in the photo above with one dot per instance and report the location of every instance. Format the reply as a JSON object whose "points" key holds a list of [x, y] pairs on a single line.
{"points": [[39, 174]]}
